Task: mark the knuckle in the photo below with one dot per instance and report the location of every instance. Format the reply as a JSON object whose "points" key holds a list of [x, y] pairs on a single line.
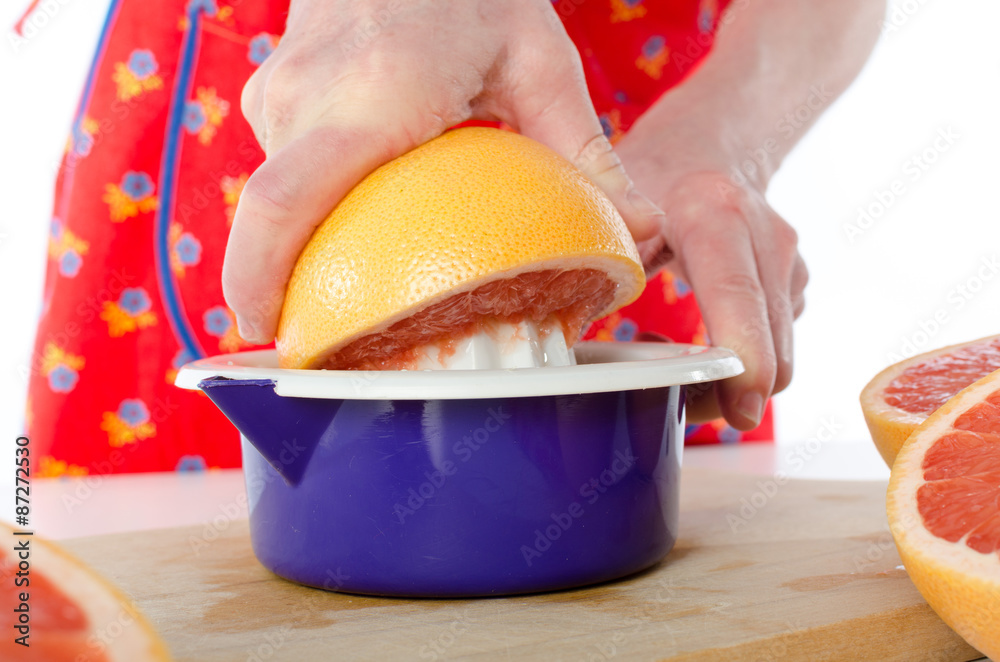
{"points": [[699, 226], [737, 284], [801, 276], [598, 158], [251, 103], [280, 88], [267, 197], [784, 234], [737, 197], [277, 110], [249, 98]]}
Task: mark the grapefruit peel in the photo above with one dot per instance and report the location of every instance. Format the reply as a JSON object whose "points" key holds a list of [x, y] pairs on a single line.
{"points": [[954, 454]]}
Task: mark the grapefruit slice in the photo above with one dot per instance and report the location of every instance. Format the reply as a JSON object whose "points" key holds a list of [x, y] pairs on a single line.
{"points": [[475, 228], [71, 613], [903, 395], [944, 512]]}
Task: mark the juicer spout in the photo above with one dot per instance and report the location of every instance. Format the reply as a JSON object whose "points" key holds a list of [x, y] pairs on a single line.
{"points": [[285, 431]]}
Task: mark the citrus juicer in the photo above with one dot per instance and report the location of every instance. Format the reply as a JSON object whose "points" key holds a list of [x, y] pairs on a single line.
{"points": [[463, 482]]}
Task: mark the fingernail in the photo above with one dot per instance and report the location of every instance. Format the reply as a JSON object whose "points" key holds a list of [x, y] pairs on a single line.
{"points": [[247, 332], [751, 406], [642, 204]]}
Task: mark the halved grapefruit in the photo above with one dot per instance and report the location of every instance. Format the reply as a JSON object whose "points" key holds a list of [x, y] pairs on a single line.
{"points": [[476, 226], [903, 395], [944, 512], [69, 613]]}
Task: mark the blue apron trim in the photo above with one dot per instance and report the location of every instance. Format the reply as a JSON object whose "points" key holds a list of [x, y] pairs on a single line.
{"points": [[179, 322], [72, 154]]}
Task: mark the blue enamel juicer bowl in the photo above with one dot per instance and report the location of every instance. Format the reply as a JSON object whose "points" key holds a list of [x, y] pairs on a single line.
{"points": [[462, 482]]}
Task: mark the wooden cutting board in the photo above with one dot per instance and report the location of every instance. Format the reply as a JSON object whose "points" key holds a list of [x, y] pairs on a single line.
{"points": [[803, 570]]}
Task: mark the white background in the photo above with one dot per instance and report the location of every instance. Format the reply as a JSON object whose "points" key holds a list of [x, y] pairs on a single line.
{"points": [[938, 70]]}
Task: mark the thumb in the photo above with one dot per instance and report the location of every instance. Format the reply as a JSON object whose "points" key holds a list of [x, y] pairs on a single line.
{"points": [[284, 200]]}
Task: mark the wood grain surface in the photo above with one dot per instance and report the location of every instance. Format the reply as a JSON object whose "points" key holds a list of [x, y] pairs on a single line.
{"points": [[764, 570]]}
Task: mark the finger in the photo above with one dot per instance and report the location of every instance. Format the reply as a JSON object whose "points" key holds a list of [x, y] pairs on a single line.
{"points": [[549, 102], [798, 305], [724, 275], [701, 403], [775, 255], [800, 278], [280, 206], [252, 101], [655, 254], [700, 400]]}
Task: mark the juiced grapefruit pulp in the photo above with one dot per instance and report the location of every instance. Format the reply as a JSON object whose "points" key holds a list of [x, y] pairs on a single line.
{"points": [[902, 396], [570, 297], [923, 388], [961, 497]]}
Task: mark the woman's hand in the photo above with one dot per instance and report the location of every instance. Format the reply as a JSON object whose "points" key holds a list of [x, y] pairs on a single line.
{"points": [[356, 83], [705, 152], [738, 255]]}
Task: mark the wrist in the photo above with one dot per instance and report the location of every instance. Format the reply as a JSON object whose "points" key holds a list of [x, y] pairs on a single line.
{"points": [[683, 135], [703, 132]]}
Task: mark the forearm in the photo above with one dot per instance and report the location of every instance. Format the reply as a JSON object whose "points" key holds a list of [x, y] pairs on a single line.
{"points": [[775, 66]]}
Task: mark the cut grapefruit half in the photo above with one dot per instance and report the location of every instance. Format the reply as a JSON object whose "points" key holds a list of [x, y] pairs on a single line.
{"points": [[475, 228], [70, 613], [944, 512], [903, 395]]}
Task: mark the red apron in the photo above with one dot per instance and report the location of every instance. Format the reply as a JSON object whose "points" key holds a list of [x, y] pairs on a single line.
{"points": [[155, 163]]}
